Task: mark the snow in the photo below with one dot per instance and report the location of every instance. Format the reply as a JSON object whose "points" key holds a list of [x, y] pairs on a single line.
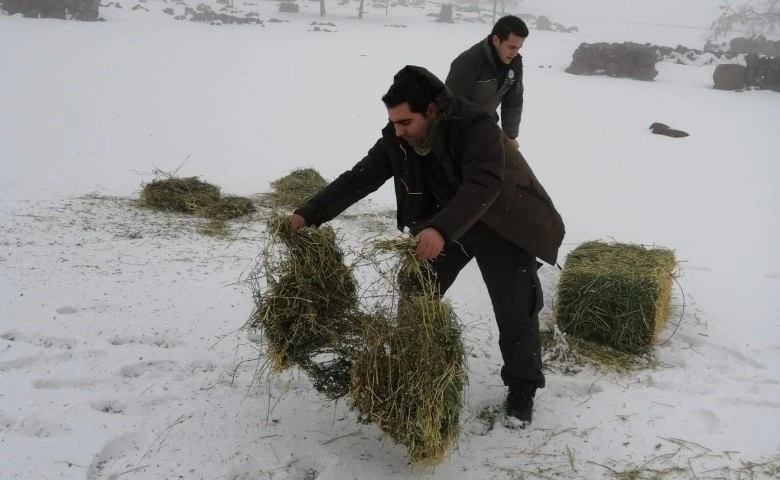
{"points": [[119, 356]]}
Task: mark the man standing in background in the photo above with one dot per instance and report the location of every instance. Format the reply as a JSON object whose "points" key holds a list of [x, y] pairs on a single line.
{"points": [[490, 74]]}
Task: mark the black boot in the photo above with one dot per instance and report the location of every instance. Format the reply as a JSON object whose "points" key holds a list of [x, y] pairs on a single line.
{"points": [[520, 402]]}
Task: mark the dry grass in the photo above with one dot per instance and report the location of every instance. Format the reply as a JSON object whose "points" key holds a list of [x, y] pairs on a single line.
{"points": [[294, 189], [402, 367], [615, 294], [307, 307], [410, 374], [193, 196]]}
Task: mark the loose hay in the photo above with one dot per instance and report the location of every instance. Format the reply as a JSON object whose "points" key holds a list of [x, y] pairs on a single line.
{"points": [[308, 308], [560, 352], [403, 367], [296, 188], [615, 294], [186, 195], [191, 195], [228, 208], [410, 374]]}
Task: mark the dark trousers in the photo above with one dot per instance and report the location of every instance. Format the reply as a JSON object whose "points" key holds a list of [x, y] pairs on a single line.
{"points": [[510, 275]]}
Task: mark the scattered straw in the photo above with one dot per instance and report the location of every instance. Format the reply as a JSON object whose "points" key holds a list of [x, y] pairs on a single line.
{"points": [[561, 348], [615, 294]]}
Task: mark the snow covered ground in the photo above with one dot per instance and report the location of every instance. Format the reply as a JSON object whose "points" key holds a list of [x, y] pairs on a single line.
{"points": [[119, 356]]}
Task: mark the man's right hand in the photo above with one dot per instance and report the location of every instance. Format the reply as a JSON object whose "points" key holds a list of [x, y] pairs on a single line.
{"points": [[296, 222]]}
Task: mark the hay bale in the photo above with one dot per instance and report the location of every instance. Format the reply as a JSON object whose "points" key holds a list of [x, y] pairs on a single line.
{"points": [[615, 294], [410, 374], [295, 188], [307, 308], [228, 207], [186, 195]]}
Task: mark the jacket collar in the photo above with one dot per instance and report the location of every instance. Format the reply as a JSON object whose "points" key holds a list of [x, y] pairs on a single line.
{"points": [[490, 54]]}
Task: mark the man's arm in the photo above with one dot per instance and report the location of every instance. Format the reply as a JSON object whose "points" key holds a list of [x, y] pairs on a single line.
{"points": [[483, 175], [462, 76], [512, 106], [351, 186]]}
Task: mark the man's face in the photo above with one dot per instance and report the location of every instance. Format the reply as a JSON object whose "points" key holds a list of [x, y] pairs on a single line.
{"points": [[509, 48], [412, 127]]}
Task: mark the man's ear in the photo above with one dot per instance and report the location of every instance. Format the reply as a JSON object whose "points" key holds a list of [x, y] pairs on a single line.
{"points": [[432, 111], [496, 41]]}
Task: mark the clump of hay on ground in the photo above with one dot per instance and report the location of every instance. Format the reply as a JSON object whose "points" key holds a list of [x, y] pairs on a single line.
{"points": [[294, 189], [194, 196], [185, 195], [227, 208], [307, 309], [409, 376], [615, 294]]}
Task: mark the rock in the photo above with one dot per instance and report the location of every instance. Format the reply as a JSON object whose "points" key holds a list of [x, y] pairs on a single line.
{"points": [[729, 76], [288, 7], [614, 59], [663, 129], [543, 23]]}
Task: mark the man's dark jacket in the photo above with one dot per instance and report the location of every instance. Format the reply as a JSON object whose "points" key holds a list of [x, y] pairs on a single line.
{"points": [[490, 181], [477, 76]]}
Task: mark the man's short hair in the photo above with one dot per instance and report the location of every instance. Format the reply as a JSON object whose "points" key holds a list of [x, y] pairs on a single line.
{"points": [[509, 24], [410, 87]]}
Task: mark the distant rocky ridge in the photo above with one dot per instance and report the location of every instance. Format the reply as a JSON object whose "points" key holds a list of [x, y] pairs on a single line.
{"points": [[739, 67], [86, 10], [204, 13]]}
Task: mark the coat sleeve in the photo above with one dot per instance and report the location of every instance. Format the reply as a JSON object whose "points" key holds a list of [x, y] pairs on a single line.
{"points": [[512, 106], [351, 186], [482, 177], [462, 76]]}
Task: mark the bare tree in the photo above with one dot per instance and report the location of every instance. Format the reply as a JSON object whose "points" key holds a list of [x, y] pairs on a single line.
{"points": [[503, 3], [756, 16]]}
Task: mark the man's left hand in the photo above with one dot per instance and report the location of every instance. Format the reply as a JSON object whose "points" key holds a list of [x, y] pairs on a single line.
{"points": [[429, 244], [513, 142]]}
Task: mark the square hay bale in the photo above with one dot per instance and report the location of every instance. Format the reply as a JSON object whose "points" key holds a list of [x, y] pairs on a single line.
{"points": [[615, 294]]}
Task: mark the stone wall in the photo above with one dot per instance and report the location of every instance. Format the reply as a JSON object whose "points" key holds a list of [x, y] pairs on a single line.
{"points": [[86, 10]]}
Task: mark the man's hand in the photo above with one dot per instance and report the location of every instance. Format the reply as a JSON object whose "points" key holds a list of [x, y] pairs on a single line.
{"points": [[513, 142], [429, 244], [296, 222]]}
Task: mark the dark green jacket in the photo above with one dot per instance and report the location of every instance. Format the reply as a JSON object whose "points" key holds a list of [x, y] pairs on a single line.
{"points": [[475, 76], [491, 182]]}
